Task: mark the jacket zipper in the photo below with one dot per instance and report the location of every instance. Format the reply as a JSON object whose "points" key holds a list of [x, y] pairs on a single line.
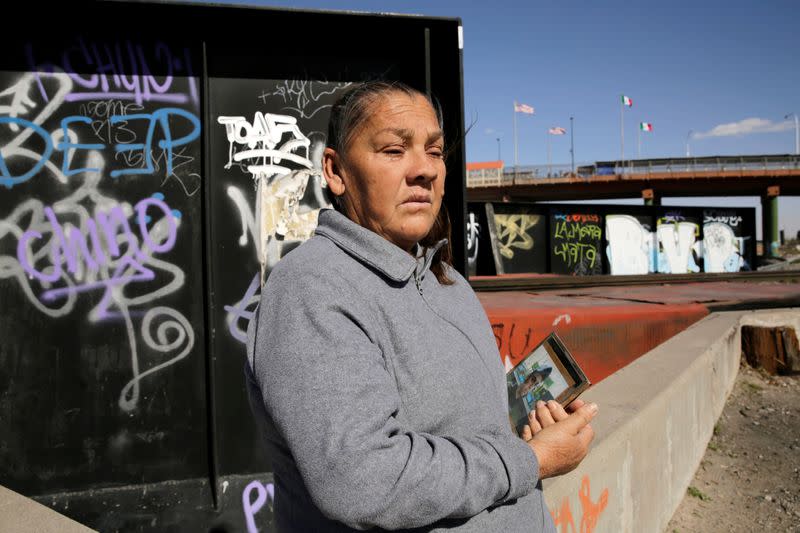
{"points": [[416, 282]]}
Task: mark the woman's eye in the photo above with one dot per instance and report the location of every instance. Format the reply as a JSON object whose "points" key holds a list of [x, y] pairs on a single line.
{"points": [[436, 152], [393, 150]]}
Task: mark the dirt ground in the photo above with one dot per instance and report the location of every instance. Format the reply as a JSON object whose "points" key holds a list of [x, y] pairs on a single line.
{"points": [[749, 479]]}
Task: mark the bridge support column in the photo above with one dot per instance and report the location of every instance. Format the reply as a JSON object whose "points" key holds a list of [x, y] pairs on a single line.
{"points": [[650, 197], [769, 221]]}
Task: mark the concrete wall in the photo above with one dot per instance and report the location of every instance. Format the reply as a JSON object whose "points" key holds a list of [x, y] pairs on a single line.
{"points": [[656, 418]]}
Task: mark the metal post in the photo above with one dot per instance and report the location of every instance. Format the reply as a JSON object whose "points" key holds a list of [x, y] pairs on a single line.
{"points": [[773, 226], [513, 179], [769, 219], [688, 136], [639, 142], [622, 134], [549, 156], [498, 150], [572, 142]]}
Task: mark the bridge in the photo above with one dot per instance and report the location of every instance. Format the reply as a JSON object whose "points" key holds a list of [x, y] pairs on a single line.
{"points": [[764, 176]]}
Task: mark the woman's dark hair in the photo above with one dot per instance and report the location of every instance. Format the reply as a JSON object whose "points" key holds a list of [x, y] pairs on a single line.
{"points": [[347, 116]]}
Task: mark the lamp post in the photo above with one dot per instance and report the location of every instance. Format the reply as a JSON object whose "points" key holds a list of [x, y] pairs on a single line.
{"points": [[572, 143], [796, 132], [498, 149], [688, 136]]}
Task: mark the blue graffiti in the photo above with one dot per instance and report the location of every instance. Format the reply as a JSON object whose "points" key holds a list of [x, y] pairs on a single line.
{"points": [[6, 178], [66, 145], [160, 117]]}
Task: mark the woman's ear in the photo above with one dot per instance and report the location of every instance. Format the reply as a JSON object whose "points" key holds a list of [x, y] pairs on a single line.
{"points": [[331, 171]]}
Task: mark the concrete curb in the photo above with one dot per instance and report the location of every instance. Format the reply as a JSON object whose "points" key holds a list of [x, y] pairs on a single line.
{"points": [[19, 514], [656, 418]]}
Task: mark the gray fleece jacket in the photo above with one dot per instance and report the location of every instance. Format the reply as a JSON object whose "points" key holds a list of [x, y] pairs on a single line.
{"points": [[381, 395]]}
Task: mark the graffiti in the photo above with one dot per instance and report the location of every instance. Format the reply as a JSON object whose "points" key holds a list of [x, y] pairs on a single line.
{"points": [[243, 309], [577, 231], [508, 339], [631, 246], [67, 143], [261, 139], [721, 248], [581, 219], [94, 246], [575, 241], [677, 241], [87, 241], [473, 232], [303, 97], [121, 71], [512, 232], [72, 247], [284, 212], [590, 510], [101, 112], [22, 147], [265, 495], [562, 318], [729, 220], [576, 253]]}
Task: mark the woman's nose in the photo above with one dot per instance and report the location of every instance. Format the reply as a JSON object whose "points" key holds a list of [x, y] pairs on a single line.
{"points": [[424, 167]]}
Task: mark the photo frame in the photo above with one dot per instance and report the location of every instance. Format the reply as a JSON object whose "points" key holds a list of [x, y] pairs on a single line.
{"points": [[549, 372]]}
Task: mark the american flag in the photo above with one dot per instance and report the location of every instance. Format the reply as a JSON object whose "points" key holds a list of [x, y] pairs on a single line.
{"points": [[557, 131], [523, 108]]}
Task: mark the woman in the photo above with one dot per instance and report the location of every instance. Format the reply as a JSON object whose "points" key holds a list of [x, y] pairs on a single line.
{"points": [[372, 364]]}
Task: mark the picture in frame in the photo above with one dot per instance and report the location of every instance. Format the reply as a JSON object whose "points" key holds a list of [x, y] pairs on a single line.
{"points": [[549, 372]]}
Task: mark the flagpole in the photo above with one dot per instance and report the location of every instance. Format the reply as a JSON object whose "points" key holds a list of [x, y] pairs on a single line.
{"points": [[639, 142], [516, 162], [622, 133]]}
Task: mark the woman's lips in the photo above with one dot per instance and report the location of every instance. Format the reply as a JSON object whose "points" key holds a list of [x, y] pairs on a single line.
{"points": [[418, 199]]}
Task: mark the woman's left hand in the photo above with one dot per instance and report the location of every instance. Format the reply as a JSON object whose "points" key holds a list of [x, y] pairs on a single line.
{"points": [[547, 414]]}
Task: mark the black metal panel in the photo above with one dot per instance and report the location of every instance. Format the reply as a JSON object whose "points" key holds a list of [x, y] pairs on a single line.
{"points": [[72, 420], [103, 370]]}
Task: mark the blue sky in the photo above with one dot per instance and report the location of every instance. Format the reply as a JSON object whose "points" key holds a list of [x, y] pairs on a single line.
{"points": [[726, 70]]}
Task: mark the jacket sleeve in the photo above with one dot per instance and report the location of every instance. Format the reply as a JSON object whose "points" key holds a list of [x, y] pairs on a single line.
{"points": [[325, 383]]}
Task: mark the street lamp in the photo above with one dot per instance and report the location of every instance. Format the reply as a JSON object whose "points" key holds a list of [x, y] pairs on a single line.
{"points": [[796, 132], [572, 142], [498, 149], [688, 136]]}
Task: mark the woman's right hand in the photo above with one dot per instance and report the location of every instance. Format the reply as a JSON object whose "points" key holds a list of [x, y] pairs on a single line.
{"points": [[563, 440]]}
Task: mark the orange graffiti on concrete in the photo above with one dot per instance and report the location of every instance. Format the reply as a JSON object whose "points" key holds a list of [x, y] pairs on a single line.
{"points": [[591, 511]]}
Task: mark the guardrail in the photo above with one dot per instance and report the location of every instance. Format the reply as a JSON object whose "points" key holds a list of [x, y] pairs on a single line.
{"points": [[528, 173]]}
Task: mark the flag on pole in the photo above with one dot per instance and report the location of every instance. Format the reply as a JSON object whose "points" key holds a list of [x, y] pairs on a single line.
{"points": [[523, 108], [557, 131], [645, 126], [627, 102]]}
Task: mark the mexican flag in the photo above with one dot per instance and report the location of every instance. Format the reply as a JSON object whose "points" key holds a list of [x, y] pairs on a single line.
{"points": [[645, 126], [627, 102]]}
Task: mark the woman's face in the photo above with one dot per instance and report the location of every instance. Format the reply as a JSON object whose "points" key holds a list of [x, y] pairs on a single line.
{"points": [[392, 172]]}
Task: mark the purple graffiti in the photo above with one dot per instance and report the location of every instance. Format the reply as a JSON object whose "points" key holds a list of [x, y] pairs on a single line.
{"points": [[121, 71], [105, 242], [264, 494]]}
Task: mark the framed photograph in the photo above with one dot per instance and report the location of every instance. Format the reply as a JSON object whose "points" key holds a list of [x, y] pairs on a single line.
{"points": [[549, 372]]}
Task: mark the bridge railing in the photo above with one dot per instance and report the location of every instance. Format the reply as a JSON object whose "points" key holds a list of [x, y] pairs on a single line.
{"points": [[719, 164], [530, 173]]}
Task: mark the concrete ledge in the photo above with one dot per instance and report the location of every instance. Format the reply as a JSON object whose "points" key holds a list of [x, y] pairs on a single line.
{"points": [[656, 418], [19, 514]]}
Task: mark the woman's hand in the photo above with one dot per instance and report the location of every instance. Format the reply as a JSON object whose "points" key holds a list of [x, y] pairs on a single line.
{"points": [[559, 439], [546, 414]]}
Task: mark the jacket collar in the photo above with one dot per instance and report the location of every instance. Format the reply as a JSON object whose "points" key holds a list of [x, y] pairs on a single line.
{"points": [[374, 250]]}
